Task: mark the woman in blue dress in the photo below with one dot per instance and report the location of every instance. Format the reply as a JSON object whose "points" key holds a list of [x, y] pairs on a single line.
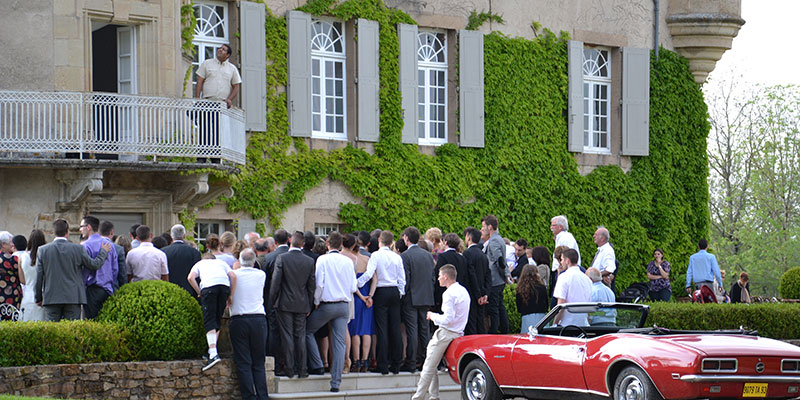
{"points": [[362, 326]]}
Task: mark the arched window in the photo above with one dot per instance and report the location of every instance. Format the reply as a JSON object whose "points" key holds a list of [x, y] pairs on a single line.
{"points": [[210, 33], [432, 87], [596, 99], [327, 76]]}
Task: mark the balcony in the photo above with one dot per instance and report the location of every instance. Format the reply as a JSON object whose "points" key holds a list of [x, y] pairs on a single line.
{"points": [[109, 126]]}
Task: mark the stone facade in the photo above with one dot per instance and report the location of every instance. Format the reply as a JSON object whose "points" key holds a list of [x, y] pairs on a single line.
{"points": [[135, 380]]}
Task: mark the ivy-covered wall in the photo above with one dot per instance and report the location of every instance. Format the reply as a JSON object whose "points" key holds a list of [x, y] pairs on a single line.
{"points": [[524, 175]]}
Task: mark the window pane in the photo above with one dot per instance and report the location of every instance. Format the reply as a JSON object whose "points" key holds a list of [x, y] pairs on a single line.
{"points": [[329, 105], [315, 86], [585, 90], [315, 67], [421, 95], [339, 85], [328, 68], [339, 106], [440, 78], [338, 67], [432, 77], [441, 113], [315, 104], [421, 127], [441, 96], [339, 124], [603, 108], [315, 122], [603, 140], [329, 124], [585, 136], [421, 112], [329, 87], [421, 77], [603, 91], [441, 130]]}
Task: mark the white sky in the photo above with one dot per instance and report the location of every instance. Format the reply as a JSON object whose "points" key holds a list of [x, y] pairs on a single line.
{"points": [[765, 51]]}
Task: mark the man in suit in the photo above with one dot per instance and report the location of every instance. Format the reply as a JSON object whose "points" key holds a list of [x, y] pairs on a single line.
{"points": [[478, 264], [292, 294], [418, 265], [181, 258], [59, 280], [495, 249], [520, 257], [273, 338], [107, 231], [450, 255], [309, 240]]}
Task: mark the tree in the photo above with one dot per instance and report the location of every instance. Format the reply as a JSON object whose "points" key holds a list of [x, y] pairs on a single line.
{"points": [[754, 162]]}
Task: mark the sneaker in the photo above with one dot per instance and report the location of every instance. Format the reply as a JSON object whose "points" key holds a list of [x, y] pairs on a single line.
{"points": [[211, 362]]}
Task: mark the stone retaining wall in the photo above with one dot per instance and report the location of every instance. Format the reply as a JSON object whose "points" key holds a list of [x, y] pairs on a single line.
{"points": [[134, 380]]}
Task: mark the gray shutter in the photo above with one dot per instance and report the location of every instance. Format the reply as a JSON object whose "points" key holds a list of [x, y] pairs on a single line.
{"points": [[408, 81], [368, 81], [635, 101], [299, 63], [254, 66], [471, 113], [575, 100]]}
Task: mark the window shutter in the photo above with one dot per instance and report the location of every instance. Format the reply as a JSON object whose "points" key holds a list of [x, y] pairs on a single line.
{"points": [[471, 112], [254, 67], [368, 81], [408, 81], [299, 63], [635, 101], [575, 100]]}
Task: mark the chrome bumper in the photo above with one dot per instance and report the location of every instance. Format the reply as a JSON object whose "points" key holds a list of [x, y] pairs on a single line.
{"points": [[740, 378]]}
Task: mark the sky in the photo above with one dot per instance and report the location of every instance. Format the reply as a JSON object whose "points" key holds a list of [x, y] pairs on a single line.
{"points": [[765, 50]]}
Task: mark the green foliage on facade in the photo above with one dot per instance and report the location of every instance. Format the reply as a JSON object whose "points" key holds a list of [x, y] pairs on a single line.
{"points": [[790, 284], [476, 19], [524, 175]]}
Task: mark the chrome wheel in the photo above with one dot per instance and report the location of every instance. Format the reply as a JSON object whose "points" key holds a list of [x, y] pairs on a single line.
{"points": [[631, 389], [475, 382]]}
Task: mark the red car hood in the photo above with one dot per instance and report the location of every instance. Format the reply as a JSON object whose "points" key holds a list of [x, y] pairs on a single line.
{"points": [[733, 345]]}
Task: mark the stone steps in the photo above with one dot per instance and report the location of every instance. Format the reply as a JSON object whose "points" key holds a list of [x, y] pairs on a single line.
{"points": [[360, 386]]}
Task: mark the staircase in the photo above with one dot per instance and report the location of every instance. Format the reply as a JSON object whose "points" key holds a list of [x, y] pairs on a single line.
{"points": [[365, 386]]}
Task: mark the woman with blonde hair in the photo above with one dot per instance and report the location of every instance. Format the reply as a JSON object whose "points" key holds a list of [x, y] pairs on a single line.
{"points": [[434, 235], [224, 249]]}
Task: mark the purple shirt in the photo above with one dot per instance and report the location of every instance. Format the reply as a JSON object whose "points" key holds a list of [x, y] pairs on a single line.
{"points": [[660, 283], [107, 274]]}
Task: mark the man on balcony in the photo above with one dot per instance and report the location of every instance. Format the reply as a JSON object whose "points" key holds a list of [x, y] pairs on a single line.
{"points": [[217, 80]]}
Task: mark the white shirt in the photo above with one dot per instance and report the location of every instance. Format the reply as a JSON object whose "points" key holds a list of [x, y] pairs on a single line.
{"points": [[605, 259], [227, 258], [565, 238], [389, 269], [248, 298], [219, 78], [212, 272], [574, 287], [146, 263], [336, 278], [455, 309], [511, 256]]}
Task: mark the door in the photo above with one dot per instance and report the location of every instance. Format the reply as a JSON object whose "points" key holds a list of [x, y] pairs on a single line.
{"points": [[545, 361]]}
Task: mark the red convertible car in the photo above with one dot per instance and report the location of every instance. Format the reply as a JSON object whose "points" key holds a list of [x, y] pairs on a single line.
{"points": [[603, 350]]}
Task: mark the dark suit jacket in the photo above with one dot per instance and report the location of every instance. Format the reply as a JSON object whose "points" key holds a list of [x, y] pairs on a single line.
{"points": [[464, 275], [59, 279], [268, 267], [479, 264], [181, 258], [293, 283], [122, 274], [310, 253], [521, 262], [418, 264]]}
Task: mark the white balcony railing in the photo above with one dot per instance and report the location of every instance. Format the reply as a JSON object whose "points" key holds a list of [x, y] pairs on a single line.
{"points": [[108, 123]]}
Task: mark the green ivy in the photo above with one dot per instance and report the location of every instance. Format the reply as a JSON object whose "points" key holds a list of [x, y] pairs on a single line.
{"points": [[189, 24], [477, 19], [524, 175]]}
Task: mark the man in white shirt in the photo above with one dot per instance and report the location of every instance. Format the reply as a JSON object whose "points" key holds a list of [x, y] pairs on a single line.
{"points": [[146, 262], [248, 328], [218, 79], [572, 287], [387, 266], [335, 284], [605, 259], [560, 227], [451, 322]]}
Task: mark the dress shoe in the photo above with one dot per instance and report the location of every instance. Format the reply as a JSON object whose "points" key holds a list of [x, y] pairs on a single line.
{"points": [[303, 375], [407, 368], [334, 390], [394, 370], [316, 371]]}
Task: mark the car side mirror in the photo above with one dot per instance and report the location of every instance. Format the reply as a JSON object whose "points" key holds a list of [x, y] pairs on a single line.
{"points": [[532, 332]]}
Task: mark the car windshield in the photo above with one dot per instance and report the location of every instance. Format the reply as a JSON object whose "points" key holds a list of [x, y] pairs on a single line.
{"points": [[607, 315]]}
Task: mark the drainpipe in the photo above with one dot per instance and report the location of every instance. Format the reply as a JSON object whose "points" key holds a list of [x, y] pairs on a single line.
{"points": [[658, 20]]}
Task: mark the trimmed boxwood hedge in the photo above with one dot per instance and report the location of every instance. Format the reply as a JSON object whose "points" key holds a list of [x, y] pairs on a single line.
{"points": [[65, 342], [166, 323], [789, 287]]}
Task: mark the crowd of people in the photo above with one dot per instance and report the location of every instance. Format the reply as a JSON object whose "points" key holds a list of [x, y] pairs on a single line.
{"points": [[335, 304]]}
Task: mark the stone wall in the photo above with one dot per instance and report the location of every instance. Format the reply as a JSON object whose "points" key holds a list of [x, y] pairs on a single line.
{"points": [[135, 380]]}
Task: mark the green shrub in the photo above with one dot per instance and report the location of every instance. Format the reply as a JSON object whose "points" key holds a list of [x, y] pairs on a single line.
{"points": [[774, 320], [789, 287], [65, 342], [166, 323], [510, 298]]}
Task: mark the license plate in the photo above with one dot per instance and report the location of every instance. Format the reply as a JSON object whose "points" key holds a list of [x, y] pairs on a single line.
{"points": [[754, 390]]}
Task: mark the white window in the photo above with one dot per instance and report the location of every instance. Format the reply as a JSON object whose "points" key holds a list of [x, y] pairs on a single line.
{"points": [[596, 100], [327, 80], [210, 33], [432, 87], [323, 230], [204, 228]]}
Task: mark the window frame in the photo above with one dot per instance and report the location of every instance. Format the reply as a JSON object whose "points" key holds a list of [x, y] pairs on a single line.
{"points": [[202, 42], [201, 240], [322, 229], [322, 57], [593, 82], [423, 100]]}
